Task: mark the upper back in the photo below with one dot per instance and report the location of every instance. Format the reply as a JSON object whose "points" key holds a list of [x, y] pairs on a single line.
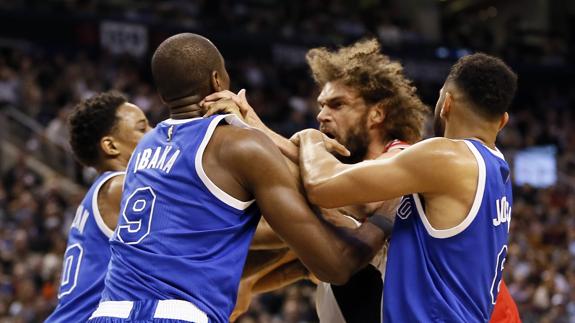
{"points": [[452, 273], [177, 229], [86, 258]]}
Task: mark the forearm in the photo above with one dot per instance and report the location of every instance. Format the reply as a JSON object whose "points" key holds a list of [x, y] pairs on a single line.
{"points": [[362, 244], [265, 238], [287, 147], [259, 262], [317, 167], [283, 276]]}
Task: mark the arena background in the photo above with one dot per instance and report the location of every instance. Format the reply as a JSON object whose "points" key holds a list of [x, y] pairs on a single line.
{"points": [[54, 53]]}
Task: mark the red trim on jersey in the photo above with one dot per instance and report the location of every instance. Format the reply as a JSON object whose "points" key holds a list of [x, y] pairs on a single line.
{"points": [[396, 143]]}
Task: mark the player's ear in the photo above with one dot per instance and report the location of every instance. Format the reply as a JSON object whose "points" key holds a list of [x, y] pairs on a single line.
{"points": [[503, 121], [109, 146], [446, 106], [377, 114], [217, 82]]}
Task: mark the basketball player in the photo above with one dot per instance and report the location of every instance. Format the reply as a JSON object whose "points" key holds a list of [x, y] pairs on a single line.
{"points": [[104, 130], [188, 212], [449, 242], [359, 300], [367, 104]]}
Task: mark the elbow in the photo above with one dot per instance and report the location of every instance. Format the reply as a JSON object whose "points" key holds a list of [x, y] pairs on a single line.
{"points": [[336, 277], [339, 272]]}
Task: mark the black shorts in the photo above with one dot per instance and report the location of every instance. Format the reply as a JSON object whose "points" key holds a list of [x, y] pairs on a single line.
{"points": [[359, 300]]}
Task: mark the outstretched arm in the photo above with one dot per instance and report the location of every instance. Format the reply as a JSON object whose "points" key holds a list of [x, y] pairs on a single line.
{"points": [[422, 168], [332, 253]]}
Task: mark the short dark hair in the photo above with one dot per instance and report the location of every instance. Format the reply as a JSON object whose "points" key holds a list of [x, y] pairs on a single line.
{"points": [[486, 81], [91, 120], [183, 64]]}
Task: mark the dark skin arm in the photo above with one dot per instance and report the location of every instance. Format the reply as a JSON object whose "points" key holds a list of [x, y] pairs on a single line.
{"points": [[265, 238], [109, 199], [332, 253]]}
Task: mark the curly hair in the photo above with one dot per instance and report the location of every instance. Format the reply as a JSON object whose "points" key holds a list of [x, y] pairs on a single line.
{"points": [[379, 80], [91, 120], [487, 81]]}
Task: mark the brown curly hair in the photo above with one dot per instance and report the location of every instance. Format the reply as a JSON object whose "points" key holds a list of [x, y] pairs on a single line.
{"points": [[379, 80]]}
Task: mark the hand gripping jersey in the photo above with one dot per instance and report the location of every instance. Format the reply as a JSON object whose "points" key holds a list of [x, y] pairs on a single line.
{"points": [[85, 261], [360, 299], [451, 275], [180, 239]]}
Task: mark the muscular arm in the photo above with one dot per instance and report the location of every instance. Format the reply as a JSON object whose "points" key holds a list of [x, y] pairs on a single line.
{"points": [[265, 238], [332, 253], [426, 167]]}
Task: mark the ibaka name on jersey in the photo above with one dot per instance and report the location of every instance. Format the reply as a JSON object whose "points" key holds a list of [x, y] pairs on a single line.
{"points": [[163, 158], [503, 212]]}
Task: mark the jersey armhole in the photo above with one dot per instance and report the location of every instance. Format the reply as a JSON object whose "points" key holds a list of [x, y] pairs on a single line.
{"points": [[479, 191], [107, 231], [212, 187]]}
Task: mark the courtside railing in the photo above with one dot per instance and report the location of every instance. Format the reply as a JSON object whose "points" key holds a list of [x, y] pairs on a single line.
{"points": [[28, 136]]}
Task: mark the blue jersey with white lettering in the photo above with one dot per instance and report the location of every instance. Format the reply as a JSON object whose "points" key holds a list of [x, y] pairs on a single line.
{"points": [[85, 261], [451, 275], [179, 236]]}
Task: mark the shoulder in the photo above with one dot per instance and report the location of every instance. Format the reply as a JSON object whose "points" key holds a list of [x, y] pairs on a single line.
{"points": [[112, 189], [243, 143], [444, 150], [438, 162]]}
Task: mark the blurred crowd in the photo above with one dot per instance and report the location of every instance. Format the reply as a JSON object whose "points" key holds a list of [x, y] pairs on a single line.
{"points": [[35, 213]]}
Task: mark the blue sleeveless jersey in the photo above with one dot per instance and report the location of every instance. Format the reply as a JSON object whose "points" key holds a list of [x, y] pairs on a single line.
{"points": [[85, 261], [179, 236], [451, 275]]}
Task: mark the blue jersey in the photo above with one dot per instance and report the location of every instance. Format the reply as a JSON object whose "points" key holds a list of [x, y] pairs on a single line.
{"points": [[179, 236], [451, 275], [85, 261]]}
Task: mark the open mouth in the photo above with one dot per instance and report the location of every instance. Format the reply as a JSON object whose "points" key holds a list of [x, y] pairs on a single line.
{"points": [[328, 134]]}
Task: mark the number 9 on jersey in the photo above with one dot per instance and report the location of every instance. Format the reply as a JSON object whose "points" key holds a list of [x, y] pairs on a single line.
{"points": [[137, 216]]}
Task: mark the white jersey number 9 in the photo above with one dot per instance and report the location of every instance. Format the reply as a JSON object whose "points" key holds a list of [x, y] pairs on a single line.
{"points": [[137, 216]]}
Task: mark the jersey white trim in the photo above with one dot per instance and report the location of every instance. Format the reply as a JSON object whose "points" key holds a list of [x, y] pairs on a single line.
{"points": [[180, 121], [448, 233], [97, 216], [230, 118], [495, 152], [118, 309], [212, 187]]}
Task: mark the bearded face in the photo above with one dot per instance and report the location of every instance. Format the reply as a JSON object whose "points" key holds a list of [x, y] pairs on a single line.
{"points": [[356, 140], [343, 116]]}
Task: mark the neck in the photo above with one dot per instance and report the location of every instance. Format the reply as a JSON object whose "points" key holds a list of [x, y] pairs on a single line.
{"points": [[185, 107], [112, 165], [186, 112], [472, 129], [375, 148]]}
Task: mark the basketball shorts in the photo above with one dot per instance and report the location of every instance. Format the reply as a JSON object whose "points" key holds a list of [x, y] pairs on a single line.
{"points": [[156, 311]]}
